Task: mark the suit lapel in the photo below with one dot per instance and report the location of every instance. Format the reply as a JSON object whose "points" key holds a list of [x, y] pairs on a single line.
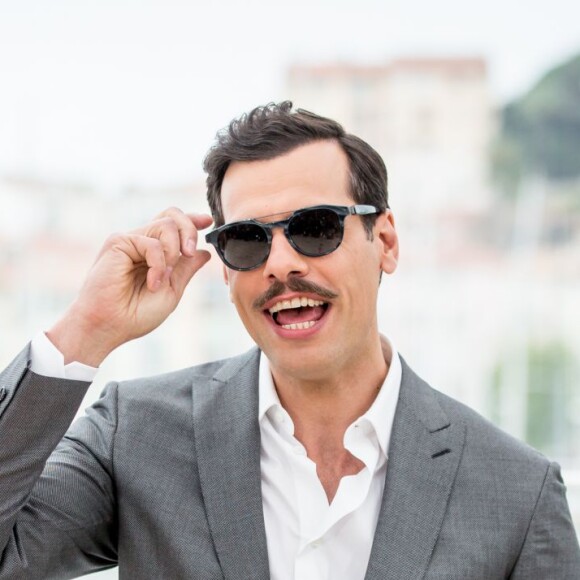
{"points": [[424, 455], [227, 441]]}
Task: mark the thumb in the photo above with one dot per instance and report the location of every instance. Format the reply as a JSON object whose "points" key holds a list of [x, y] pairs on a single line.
{"points": [[186, 267]]}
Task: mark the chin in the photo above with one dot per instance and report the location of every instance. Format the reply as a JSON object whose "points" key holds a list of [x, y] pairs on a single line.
{"points": [[305, 364]]}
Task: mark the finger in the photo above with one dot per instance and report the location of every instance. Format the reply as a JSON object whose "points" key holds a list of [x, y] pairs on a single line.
{"points": [[149, 250], [186, 268], [167, 232], [200, 221], [187, 225], [185, 228]]}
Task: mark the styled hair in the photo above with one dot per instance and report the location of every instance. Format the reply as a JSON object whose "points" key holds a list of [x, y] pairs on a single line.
{"points": [[272, 130]]}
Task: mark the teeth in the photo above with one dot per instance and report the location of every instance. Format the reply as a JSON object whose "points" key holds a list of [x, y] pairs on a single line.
{"points": [[299, 325], [294, 303]]}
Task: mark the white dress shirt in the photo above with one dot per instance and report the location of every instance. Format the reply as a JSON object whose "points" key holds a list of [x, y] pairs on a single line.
{"points": [[307, 538]]}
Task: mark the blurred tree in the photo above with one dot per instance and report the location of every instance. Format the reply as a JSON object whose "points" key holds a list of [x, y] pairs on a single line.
{"points": [[549, 400], [540, 132]]}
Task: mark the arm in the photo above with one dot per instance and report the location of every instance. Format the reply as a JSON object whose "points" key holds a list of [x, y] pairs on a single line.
{"points": [[52, 507], [550, 549], [57, 508]]}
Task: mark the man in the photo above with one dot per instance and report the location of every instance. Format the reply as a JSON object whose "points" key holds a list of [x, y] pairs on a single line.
{"points": [[320, 455]]}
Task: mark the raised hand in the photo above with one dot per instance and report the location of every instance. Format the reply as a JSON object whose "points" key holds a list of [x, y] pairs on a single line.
{"points": [[136, 281]]}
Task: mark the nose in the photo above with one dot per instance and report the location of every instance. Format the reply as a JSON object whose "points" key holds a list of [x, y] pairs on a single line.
{"points": [[284, 261]]}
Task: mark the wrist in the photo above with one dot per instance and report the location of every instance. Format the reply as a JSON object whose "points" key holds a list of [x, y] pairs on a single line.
{"points": [[80, 341]]}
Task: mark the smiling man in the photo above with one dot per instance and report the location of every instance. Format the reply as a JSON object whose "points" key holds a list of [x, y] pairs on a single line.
{"points": [[317, 455]]}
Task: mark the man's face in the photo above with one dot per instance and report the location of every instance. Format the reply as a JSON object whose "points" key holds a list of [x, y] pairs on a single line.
{"points": [[327, 334]]}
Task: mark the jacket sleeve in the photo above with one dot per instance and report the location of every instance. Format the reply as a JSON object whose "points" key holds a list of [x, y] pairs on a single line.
{"points": [[550, 549], [57, 513]]}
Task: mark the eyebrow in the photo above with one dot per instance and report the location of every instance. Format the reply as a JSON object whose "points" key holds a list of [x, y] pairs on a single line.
{"points": [[261, 217]]}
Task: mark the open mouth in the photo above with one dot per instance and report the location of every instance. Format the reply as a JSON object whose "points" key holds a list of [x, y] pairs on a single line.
{"points": [[299, 313]]}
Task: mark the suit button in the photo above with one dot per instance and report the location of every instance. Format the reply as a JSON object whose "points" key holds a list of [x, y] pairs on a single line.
{"points": [[2, 394]]}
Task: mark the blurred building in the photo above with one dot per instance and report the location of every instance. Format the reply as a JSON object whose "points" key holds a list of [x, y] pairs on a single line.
{"points": [[433, 114]]}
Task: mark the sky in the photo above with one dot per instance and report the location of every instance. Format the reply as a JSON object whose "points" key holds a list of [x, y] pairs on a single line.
{"points": [[117, 92]]}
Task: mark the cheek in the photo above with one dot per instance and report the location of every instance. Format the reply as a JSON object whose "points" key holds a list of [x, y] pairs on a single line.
{"points": [[361, 259], [363, 270], [241, 293]]}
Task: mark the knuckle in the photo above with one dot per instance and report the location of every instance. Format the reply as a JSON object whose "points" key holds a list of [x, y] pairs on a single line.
{"points": [[148, 244], [114, 239], [171, 255], [167, 225], [171, 211], [155, 244], [166, 221]]}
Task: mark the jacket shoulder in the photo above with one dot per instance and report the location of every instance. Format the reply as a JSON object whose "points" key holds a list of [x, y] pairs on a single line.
{"points": [[484, 440], [181, 381]]}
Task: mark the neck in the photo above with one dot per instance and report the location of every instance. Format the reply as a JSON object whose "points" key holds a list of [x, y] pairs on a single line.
{"points": [[323, 409], [329, 404]]}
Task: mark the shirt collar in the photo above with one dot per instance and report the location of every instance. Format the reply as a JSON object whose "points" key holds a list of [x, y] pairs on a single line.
{"points": [[268, 396], [380, 414]]}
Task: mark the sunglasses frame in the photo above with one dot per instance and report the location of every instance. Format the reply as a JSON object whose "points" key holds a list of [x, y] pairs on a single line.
{"points": [[341, 211]]}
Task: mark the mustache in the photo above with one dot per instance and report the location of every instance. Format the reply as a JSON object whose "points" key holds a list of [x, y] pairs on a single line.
{"points": [[295, 285]]}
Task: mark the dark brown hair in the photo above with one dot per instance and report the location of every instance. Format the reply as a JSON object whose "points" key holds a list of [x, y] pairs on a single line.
{"points": [[271, 130]]}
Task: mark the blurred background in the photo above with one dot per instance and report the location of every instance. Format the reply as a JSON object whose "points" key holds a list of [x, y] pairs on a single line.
{"points": [[107, 108]]}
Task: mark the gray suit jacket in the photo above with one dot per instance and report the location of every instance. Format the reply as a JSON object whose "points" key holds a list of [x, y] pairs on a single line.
{"points": [[162, 477]]}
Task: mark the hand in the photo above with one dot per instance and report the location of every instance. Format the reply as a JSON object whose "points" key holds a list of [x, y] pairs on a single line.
{"points": [[136, 281]]}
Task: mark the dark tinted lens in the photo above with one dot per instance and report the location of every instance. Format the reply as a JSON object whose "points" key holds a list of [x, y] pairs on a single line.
{"points": [[244, 245], [316, 232]]}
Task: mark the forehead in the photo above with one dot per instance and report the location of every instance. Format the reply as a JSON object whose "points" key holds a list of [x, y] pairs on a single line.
{"points": [[312, 174]]}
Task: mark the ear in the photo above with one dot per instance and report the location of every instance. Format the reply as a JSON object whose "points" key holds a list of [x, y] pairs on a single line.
{"points": [[387, 241]]}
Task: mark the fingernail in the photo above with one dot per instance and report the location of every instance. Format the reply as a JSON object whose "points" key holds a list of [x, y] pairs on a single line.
{"points": [[190, 246], [156, 284]]}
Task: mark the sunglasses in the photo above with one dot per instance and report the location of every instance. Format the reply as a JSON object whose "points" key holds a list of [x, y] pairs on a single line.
{"points": [[312, 231]]}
